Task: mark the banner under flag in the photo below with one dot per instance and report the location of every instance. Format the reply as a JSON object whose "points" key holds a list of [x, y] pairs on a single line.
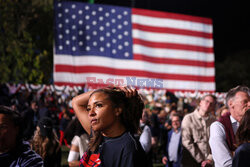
{"points": [[116, 45]]}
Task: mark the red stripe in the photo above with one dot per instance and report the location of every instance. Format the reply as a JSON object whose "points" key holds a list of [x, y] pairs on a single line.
{"points": [[168, 15], [97, 85], [172, 46], [173, 61], [127, 72], [172, 31]]}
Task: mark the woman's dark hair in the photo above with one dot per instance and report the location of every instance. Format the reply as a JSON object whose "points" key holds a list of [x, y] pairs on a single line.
{"points": [[15, 117], [131, 112], [243, 132]]}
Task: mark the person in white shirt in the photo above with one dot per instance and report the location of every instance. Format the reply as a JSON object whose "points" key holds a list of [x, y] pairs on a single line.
{"points": [[222, 132]]}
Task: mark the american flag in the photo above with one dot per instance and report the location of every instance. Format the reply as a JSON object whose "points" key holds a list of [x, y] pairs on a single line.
{"points": [[111, 44]]}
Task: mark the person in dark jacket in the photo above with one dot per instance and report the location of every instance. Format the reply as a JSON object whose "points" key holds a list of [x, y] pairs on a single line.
{"points": [[13, 150]]}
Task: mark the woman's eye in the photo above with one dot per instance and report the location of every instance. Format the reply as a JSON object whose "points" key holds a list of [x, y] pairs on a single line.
{"points": [[88, 109], [99, 105]]}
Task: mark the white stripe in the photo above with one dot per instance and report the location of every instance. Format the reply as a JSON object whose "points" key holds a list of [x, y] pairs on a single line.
{"points": [[132, 65], [172, 23], [172, 38], [113, 79], [172, 53]]}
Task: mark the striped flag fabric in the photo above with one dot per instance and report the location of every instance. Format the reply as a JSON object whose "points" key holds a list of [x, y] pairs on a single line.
{"points": [[103, 44]]}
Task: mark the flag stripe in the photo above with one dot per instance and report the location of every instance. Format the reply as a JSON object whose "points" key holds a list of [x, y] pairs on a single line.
{"points": [[173, 61], [127, 72], [158, 14], [172, 38], [172, 46], [172, 53], [173, 84], [133, 65], [172, 31]]}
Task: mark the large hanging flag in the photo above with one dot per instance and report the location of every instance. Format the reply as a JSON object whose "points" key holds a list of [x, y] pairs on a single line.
{"points": [[102, 44]]}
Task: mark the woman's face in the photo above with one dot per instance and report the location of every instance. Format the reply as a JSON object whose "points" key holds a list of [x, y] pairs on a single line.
{"points": [[102, 115]]}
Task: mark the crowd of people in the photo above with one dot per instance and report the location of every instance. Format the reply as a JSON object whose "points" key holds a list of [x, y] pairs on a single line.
{"points": [[120, 126]]}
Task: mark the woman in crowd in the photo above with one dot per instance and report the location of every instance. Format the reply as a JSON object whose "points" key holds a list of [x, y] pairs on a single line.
{"points": [[111, 116], [79, 142], [242, 153], [46, 144]]}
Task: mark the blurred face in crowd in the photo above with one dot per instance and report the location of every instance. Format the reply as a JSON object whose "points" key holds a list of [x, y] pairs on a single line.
{"points": [[176, 122], [8, 133], [34, 106], [207, 105], [102, 115], [238, 105]]}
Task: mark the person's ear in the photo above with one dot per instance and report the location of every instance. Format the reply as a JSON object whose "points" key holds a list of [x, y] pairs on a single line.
{"points": [[118, 111], [230, 103]]}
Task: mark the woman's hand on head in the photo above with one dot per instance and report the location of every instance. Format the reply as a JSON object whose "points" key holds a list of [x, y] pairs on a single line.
{"points": [[129, 91]]}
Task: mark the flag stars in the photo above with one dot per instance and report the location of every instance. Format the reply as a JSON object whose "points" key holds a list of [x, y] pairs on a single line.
{"points": [[119, 16], [101, 38], [113, 30], [66, 10], [112, 10], [87, 17], [93, 13], [107, 24], [94, 33], [73, 38], [94, 22], [59, 14], [126, 54], [59, 5], [120, 47], [119, 26], [125, 13], [87, 48], [126, 43], [80, 43], [60, 47], [125, 23], [113, 51], [80, 12], [101, 28], [67, 42], [80, 32], [113, 21], [94, 43], [108, 34], [73, 27], [87, 37], [119, 36], [86, 7], [108, 45], [87, 27], [125, 33], [101, 18], [73, 48], [66, 20], [80, 22], [60, 25], [102, 49], [73, 16], [67, 31], [73, 6], [107, 14], [60, 36], [100, 9], [113, 40]]}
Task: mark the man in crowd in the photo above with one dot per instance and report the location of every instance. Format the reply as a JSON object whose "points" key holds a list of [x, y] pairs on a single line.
{"points": [[13, 150], [195, 134], [222, 139], [173, 147]]}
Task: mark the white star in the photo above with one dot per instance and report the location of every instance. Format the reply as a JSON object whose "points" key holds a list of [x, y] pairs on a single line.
{"points": [[87, 48], [80, 43], [59, 5], [108, 34], [94, 33], [101, 38], [80, 22], [119, 26], [101, 49], [107, 14], [59, 14], [80, 32], [100, 9], [67, 31], [73, 16], [113, 30], [87, 27], [119, 36], [94, 13], [108, 45], [101, 18], [60, 36], [60, 47], [80, 12], [94, 22], [113, 11], [94, 43], [73, 38], [114, 40], [101, 28], [125, 23], [67, 42], [73, 6], [86, 7], [66, 20], [120, 47], [119, 16], [114, 51], [73, 48], [126, 33], [87, 37], [107, 24], [113, 20], [126, 54], [87, 17], [66, 10], [126, 43], [125, 12], [60, 25], [73, 27]]}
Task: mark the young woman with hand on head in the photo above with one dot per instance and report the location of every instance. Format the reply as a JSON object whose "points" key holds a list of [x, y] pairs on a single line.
{"points": [[111, 117]]}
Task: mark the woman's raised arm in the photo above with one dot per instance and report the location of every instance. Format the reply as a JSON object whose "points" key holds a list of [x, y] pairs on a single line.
{"points": [[79, 104]]}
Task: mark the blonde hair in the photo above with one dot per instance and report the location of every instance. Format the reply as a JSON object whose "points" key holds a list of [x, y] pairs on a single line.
{"points": [[43, 145]]}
